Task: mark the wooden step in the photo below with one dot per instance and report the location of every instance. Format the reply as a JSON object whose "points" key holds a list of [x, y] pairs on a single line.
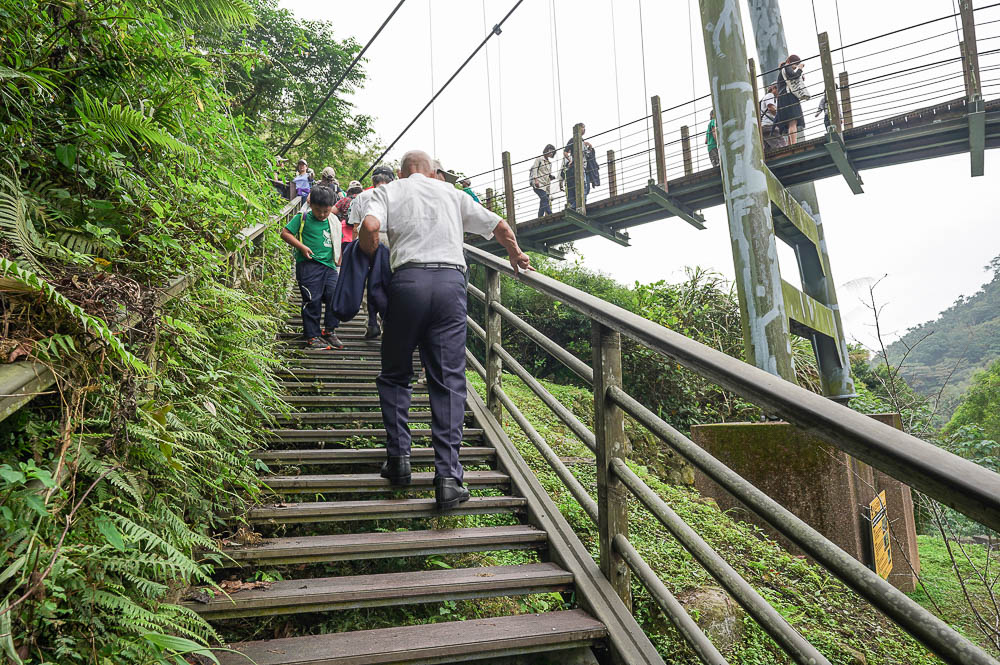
{"points": [[324, 456], [321, 417], [320, 435], [379, 509], [341, 388], [383, 545], [328, 374], [345, 400], [373, 482], [324, 594], [448, 642], [332, 363]]}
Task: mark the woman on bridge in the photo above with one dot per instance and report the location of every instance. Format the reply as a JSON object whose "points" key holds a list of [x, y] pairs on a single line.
{"points": [[791, 91]]}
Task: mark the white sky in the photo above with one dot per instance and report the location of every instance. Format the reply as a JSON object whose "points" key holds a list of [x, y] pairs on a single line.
{"points": [[928, 225]]}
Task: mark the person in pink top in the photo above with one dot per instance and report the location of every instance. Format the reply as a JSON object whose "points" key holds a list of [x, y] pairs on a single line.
{"points": [[343, 212]]}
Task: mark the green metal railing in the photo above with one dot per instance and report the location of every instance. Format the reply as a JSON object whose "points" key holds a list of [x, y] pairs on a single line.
{"points": [[958, 483]]}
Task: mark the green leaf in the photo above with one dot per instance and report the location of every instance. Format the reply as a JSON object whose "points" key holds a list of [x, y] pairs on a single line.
{"points": [[110, 533], [66, 154], [12, 569], [6, 636], [10, 475], [179, 645], [35, 503]]}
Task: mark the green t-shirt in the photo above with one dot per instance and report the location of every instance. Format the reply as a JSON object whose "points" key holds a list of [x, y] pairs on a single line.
{"points": [[315, 236], [709, 137]]}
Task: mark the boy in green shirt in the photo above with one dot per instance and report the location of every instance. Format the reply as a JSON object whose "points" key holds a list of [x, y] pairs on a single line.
{"points": [[313, 238]]}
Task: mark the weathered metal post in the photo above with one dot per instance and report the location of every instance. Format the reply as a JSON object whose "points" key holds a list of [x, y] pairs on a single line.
{"points": [[508, 189], [579, 170], [612, 175], [686, 149], [973, 88], [661, 155], [817, 276], [494, 365], [845, 101], [741, 154], [609, 433], [829, 84]]}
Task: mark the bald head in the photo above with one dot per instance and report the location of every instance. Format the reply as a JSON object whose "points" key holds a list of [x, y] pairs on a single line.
{"points": [[416, 161]]}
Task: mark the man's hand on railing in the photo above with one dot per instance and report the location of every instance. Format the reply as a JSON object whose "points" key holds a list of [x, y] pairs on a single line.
{"points": [[520, 261], [505, 236]]}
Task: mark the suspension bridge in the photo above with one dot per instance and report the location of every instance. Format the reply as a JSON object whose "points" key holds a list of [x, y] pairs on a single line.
{"points": [[329, 504]]}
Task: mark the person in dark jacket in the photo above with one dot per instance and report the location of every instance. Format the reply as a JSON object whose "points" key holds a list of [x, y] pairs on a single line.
{"points": [[791, 91]]}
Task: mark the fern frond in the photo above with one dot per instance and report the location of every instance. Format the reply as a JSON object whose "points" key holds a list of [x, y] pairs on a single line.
{"points": [[225, 13], [24, 280], [123, 123], [16, 226]]}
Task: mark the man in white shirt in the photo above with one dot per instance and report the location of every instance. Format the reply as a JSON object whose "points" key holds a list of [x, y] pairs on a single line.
{"points": [[768, 114], [426, 220]]}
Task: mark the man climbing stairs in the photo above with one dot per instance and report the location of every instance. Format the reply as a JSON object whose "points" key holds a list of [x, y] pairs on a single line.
{"points": [[329, 508]]}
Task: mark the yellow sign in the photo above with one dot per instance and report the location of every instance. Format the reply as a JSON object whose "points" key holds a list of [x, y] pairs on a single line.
{"points": [[881, 547]]}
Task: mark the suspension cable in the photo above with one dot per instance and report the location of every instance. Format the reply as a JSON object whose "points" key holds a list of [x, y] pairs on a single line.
{"points": [[340, 80], [489, 98], [645, 91], [614, 52], [495, 31], [562, 109], [430, 42]]}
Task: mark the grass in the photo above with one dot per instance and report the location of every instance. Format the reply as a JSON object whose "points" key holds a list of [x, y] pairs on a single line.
{"points": [[837, 621]]}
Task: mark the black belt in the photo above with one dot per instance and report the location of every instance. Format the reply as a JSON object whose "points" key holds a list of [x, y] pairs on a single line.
{"points": [[431, 266]]}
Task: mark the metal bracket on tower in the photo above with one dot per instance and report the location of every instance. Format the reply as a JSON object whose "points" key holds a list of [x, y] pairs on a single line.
{"points": [[838, 152], [544, 249]]}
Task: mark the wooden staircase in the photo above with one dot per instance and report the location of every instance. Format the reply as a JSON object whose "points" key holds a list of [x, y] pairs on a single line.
{"points": [[329, 491]]}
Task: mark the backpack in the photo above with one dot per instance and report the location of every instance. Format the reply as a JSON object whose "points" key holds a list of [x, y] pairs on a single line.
{"points": [[796, 86]]}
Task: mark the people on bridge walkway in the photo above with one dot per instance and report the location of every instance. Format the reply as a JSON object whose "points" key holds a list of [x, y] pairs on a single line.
{"points": [[541, 179], [773, 137], [591, 172], [426, 220], [315, 236], [343, 210], [792, 90], [712, 139]]}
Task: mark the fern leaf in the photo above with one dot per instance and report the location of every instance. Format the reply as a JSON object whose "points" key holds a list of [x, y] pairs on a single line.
{"points": [[15, 224], [123, 123], [225, 13]]}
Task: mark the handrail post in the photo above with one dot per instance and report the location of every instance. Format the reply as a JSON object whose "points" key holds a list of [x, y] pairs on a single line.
{"points": [[612, 175], [508, 189], [829, 84], [489, 199], [494, 365], [970, 60], [579, 169], [686, 149], [661, 157], [609, 433], [845, 101]]}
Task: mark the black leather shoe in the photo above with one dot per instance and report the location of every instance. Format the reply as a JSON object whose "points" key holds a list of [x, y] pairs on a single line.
{"points": [[448, 493], [396, 470]]}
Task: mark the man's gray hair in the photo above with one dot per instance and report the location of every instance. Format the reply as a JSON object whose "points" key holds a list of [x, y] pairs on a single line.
{"points": [[416, 161]]}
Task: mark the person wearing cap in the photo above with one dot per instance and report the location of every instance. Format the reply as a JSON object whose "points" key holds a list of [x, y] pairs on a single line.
{"points": [[328, 178], [343, 210], [541, 178], [467, 188], [426, 222]]}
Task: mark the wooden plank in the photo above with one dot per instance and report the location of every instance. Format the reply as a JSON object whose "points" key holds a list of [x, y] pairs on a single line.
{"points": [[341, 387], [328, 374], [381, 545], [333, 363], [343, 400], [329, 483], [388, 589], [341, 434], [378, 509], [459, 641], [473, 454], [347, 417]]}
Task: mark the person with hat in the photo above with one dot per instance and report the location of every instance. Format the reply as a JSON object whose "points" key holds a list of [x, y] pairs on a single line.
{"points": [[541, 178], [426, 222], [343, 212], [467, 188], [328, 178]]}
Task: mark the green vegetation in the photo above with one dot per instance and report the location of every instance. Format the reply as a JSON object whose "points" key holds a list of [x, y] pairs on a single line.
{"points": [[980, 408], [827, 613], [943, 355], [136, 141]]}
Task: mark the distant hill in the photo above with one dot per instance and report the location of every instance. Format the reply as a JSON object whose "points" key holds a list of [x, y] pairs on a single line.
{"points": [[964, 339]]}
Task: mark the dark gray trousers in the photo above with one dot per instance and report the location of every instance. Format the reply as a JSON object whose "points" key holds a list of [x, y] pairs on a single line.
{"points": [[426, 310]]}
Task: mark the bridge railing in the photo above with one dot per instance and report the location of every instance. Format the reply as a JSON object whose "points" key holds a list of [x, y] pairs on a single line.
{"points": [[966, 487], [877, 79]]}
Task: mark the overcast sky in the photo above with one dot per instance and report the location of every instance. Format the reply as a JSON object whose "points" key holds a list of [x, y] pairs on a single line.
{"points": [[928, 226]]}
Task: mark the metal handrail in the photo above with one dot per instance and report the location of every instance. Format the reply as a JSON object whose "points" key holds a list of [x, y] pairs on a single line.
{"points": [[921, 623], [951, 480]]}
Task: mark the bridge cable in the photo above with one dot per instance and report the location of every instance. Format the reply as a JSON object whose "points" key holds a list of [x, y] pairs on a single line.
{"points": [[645, 91], [495, 31], [614, 51], [694, 92], [489, 98], [562, 109], [340, 80], [840, 37], [815, 22]]}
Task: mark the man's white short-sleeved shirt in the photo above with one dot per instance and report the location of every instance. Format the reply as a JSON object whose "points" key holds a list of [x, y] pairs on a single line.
{"points": [[427, 219]]}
